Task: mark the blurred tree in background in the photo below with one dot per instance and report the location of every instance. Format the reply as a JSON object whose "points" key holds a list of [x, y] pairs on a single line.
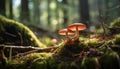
{"points": [[84, 11], [24, 12], [2, 7], [52, 15]]}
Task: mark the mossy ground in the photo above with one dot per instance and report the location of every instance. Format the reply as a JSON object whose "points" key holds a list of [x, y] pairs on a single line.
{"points": [[15, 33], [115, 23], [83, 55], [87, 53]]}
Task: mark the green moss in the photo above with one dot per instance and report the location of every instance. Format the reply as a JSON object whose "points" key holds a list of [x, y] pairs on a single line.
{"points": [[15, 33], [110, 60], [91, 42], [90, 63], [65, 57], [115, 23], [3, 58], [40, 65], [34, 57], [73, 65], [61, 65], [116, 40], [67, 50], [31, 61]]}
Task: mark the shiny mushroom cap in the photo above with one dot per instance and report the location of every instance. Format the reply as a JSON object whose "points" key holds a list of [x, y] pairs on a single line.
{"points": [[80, 26], [64, 31]]}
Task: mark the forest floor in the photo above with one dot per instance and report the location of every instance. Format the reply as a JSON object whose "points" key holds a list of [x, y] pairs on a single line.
{"points": [[93, 51]]}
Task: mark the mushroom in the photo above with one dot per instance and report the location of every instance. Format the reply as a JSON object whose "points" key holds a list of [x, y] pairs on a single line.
{"points": [[76, 27], [66, 32]]}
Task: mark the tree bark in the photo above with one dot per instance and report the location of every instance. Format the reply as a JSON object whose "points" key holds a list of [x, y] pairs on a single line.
{"points": [[65, 20], [2, 7], [84, 11], [36, 13], [57, 15], [9, 9], [48, 9], [24, 11]]}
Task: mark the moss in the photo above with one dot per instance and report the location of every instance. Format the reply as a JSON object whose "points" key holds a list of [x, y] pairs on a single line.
{"points": [[73, 65], [110, 60], [67, 50], [90, 63], [61, 65], [115, 44], [31, 61], [116, 40], [15, 33], [91, 42], [64, 58], [60, 60], [3, 58], [34, 57], [78, 55], [40, 65], [115, 23]]}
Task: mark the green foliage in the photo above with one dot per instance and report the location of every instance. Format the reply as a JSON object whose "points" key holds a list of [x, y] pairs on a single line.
{"points": [[115, 23], [15, 33]]}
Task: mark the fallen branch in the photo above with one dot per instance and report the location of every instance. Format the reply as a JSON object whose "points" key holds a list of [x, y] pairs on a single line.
{"points": [[49, 49], [23, 50]]}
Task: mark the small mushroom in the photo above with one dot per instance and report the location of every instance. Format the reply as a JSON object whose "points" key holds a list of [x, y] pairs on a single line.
{"points": [[77, 27], [66, 32]]}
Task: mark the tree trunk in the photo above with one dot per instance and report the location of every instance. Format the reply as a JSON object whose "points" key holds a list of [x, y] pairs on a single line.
{"points": [[36, 13], [65, 20], [57, 15], [9, 9], [2, 7], [24, 11], [106, 17], [49, 16], [84, 11]]}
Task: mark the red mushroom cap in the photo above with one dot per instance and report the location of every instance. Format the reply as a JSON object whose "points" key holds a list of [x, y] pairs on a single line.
{"points": [[64, 31], [80, 26]]}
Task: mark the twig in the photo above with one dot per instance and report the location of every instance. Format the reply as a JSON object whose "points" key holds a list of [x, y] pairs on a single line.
{"points": [[23, 50], [21, 39], [49, 49], [28, 48], [12, 35]]}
